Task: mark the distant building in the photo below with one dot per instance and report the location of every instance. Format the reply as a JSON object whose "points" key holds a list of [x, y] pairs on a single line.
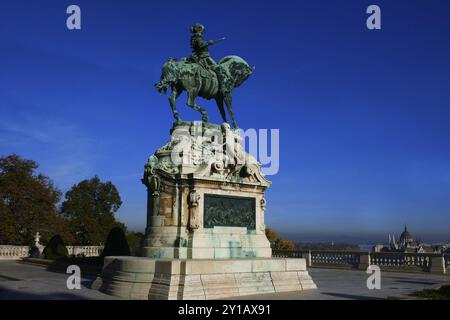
{"points": [[407, 244]]}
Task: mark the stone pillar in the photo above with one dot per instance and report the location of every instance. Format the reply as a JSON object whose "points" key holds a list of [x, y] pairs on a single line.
{"points": [[153, 184], [307, 257], [149, 210], [364, 261], [154, 189], [437, 264]]}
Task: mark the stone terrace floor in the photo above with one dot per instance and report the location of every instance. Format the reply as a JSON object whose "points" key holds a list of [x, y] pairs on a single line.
{"points": [[32, 282], [336, 284], [22, 281]]}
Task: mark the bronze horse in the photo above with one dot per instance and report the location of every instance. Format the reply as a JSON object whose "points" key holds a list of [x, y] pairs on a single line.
{"points": [[185, 75]]}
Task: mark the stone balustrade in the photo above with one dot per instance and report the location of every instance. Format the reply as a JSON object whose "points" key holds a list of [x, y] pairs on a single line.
{"points": [[403, 261], [87, 251], [11, 252], [387, 261], [337, 259], [289, 253], [324, 258]]}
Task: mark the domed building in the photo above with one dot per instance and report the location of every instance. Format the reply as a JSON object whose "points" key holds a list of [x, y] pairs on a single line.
{"points": [[407, 244], [406, 240]]}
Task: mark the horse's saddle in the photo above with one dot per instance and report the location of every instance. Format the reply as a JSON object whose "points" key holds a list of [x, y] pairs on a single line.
{"points": [[206, 73], [204, 70]]}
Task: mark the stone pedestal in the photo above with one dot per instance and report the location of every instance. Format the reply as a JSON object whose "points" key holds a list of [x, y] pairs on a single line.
{"points": [[200, 279], [205, 235], [205, 197]]}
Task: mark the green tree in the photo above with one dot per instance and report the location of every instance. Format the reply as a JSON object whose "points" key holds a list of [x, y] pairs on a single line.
{"points": [[55, 249], [89, 208], [135, 240], [116, 244], [27, 203]]}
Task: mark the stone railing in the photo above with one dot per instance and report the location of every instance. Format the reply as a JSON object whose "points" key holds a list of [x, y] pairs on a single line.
{"points": [[10, 252], [87, 251], [289, 253], [337, 259], [403, 261], [387, 261], [326, 258]]}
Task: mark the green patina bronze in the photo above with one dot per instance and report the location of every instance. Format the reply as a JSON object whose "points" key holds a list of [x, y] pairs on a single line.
{"points": [[227, 211], [200, 75]]}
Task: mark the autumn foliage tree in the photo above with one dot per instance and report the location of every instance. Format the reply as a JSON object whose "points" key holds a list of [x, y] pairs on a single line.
{"points": [[28, 203], [278, 242], [89, 209]]}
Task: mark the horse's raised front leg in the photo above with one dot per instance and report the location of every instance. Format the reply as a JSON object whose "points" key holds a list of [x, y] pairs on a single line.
{"points": [[191, 103], [219, 102], [172, 100], [228, 102]]}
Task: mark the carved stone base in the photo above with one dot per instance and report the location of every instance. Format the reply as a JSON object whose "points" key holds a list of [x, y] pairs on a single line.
{"points": [[178, 279], [214, 243]]}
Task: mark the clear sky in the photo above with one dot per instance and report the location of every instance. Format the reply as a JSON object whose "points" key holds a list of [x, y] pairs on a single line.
{"points": [[363, 115]]}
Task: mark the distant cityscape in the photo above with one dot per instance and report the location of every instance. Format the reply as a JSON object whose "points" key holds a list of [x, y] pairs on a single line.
{"points": [[404, 242], [407, 244]]}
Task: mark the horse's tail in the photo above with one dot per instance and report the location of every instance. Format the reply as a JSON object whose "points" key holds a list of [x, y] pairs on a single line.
{"points": [[167, 76], [162, 86]]}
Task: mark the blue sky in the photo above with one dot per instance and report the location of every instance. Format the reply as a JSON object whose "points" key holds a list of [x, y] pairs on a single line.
{"points": [[363, 115]]}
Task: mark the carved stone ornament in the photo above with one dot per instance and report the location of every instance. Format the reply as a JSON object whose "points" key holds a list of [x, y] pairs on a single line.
{"points": [[154, 185], [263, 203], [194, 198], [211, 151]]}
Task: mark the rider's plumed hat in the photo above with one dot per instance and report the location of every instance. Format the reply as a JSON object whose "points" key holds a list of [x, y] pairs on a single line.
{"points": [[196, 28]]}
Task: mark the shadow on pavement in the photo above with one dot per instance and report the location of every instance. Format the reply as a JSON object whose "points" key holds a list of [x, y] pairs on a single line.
{"points": [[11, 294], [351, 296], [424, 282]]}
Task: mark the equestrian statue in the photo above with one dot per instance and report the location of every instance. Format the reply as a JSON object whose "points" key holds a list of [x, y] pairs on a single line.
{"points": [[200, 75]]}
